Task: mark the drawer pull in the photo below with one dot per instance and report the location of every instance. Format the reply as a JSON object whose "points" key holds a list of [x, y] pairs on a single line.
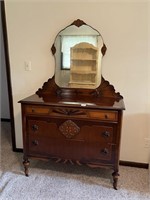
{"points": [[33, 110], [106, 117], [104, 151], [35, 142], [35, 127], [106, 134]]}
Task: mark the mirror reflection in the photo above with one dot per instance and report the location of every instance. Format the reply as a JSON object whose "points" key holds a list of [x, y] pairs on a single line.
{"points": [[78, 57]]}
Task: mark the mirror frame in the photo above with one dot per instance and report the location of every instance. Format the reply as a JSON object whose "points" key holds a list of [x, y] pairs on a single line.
{"points": [[77, 23], [104, 90]]}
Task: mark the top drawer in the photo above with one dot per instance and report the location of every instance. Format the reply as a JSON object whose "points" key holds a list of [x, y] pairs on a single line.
{"points": [[104, 115], [37, 110]]}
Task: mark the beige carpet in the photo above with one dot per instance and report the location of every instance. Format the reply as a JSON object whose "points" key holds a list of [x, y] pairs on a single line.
{"points": [[51, 181]]}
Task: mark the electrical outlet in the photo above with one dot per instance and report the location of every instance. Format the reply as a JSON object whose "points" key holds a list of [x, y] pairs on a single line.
{"points": [[147, 142]]}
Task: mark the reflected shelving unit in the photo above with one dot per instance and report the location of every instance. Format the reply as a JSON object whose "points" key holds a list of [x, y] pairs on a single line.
{"points": [[83, 70]]}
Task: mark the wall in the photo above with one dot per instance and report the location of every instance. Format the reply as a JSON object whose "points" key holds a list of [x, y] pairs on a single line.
{"points": [[149, 74], [32, 27], [5, 113]]}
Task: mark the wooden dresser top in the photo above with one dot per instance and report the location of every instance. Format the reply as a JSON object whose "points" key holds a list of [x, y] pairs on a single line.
{"points": [[93, 102]]}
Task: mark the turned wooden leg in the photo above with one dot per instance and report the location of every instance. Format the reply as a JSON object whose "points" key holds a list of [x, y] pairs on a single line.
{"points": [[26, 167], [115, 179]]}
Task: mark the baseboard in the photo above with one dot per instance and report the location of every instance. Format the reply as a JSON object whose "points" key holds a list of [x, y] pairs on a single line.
{"points": [[5, 120], [18, 150], [134, 164]]}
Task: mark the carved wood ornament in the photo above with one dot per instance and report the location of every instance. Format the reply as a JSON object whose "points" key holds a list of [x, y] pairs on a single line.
{"points": [[104, 90], [69, 112], [69, 129]]}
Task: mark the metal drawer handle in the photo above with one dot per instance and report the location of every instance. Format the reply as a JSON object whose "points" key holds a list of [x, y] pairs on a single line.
{"points": [[35, 142], [106, 134], [35, 127], [105, 151], [106, 116], [33, 110]]}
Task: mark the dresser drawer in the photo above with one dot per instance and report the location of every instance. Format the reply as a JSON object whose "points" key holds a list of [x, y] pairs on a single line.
{"points": [[90, 140], [72, 149], [104, 115], [37, 110], [70, 129]]}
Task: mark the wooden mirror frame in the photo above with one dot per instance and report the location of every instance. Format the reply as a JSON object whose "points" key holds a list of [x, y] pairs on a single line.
{"points": [[103, 90], [80, 72], [79, 23]]}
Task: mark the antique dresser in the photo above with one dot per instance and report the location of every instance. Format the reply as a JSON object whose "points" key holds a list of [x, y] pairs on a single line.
{"points": [[77, 125]]}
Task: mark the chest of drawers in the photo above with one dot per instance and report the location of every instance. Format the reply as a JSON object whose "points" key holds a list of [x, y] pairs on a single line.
{"points": [[76, 117], [74, 133]]}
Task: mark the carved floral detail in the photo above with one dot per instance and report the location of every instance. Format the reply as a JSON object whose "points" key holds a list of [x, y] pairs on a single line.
{"points": [[66, 161], [69, 112], [107, 90], [48, 87], [69, 129]]}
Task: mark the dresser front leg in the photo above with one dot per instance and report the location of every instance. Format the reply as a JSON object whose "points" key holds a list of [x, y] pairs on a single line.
{"points": [[115, 179], [26, 166]]}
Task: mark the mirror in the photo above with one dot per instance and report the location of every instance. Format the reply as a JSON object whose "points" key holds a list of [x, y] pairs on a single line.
{"points": [[78, 51]]}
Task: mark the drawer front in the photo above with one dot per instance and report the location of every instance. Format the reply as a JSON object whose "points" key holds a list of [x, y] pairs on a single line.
{"points": [[37, 110], [71, 150], [87, 140], [103, 115]]}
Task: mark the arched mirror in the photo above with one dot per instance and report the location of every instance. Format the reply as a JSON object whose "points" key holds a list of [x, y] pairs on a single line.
{"points": [[78, 51]]}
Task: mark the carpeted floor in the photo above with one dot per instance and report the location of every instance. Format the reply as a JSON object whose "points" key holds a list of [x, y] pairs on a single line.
{"points": [[52, 181]]}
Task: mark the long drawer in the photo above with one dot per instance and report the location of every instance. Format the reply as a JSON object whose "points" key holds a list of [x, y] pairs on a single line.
{"points": [[87, 140], [104, 115]]}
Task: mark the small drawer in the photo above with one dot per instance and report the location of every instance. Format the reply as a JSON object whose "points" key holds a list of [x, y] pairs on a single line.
{"points": [[37, 110], [104, 115]]}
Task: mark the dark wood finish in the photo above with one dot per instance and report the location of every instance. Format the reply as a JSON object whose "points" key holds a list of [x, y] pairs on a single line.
{"points": [[8, 74], [105, 90], [78, 23], [26, 166], [115, 175], [73, 126]]}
